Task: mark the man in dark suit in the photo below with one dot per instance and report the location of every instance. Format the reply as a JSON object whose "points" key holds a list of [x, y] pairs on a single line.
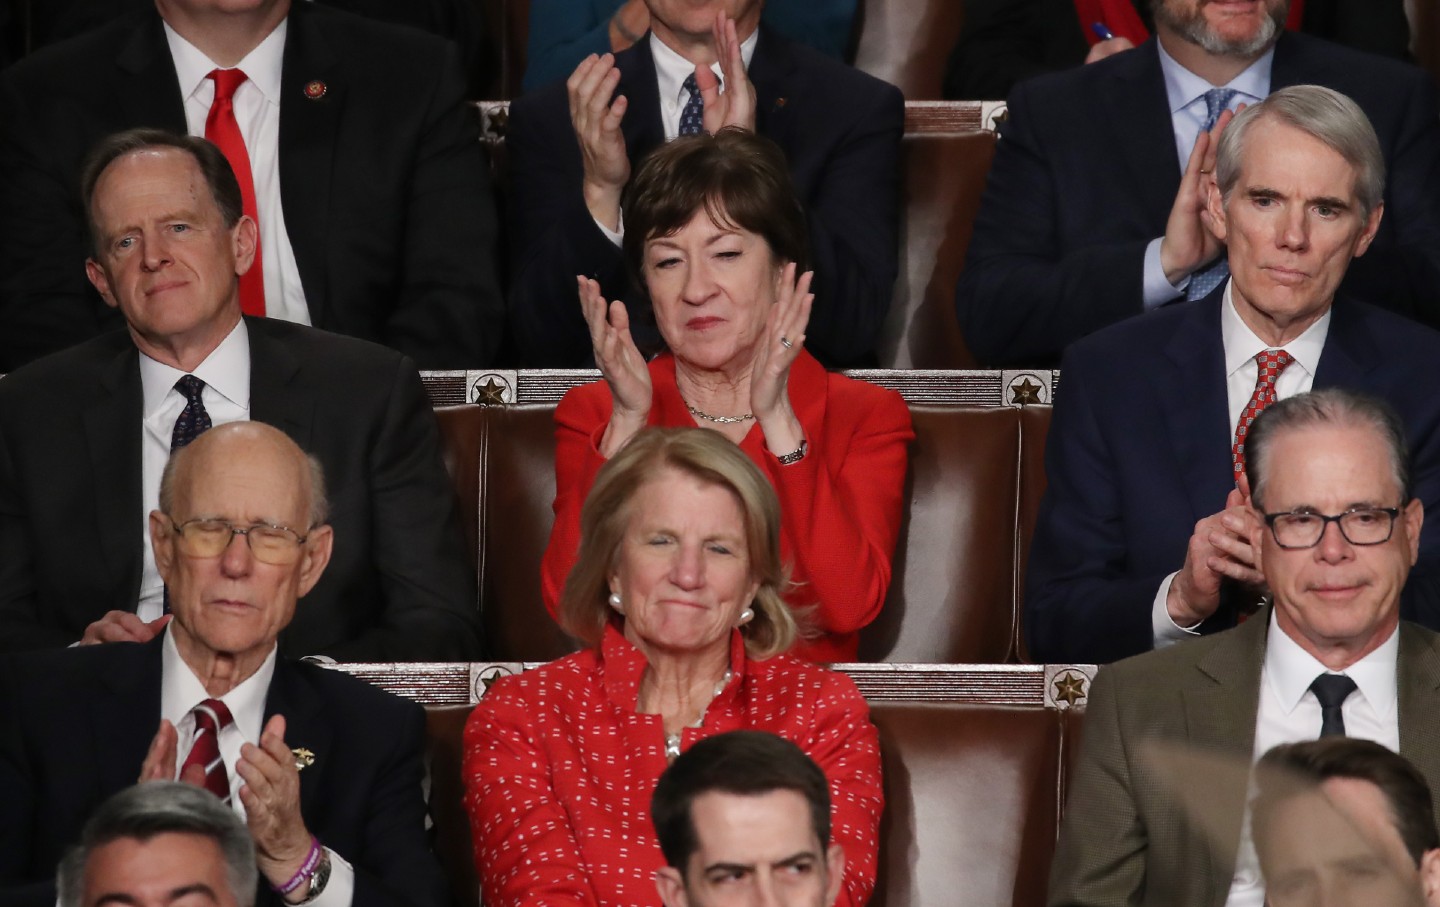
{"points": [[1139, 535], [840, 130], [376, 215], [1336, 529], [84, 433], [1091, 213], [328, 770]]}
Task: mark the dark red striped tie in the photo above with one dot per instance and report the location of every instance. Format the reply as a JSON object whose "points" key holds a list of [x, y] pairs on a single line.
{"points": [[222, 129], [211, 716]]}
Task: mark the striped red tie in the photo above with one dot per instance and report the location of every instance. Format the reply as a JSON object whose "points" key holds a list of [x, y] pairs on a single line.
{"points": [[211, 716], [222, 128]]}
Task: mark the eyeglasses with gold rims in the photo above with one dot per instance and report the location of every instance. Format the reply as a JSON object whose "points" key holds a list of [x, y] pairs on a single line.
{"points": [[1296, 529], [271, 544]]}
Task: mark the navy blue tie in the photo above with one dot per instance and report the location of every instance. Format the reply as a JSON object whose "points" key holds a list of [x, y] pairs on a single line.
{"points": [[692, 118], [193, 418]]}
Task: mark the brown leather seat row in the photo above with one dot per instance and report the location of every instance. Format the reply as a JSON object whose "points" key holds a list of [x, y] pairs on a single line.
{"points": [[975, 481], [976, 760]]}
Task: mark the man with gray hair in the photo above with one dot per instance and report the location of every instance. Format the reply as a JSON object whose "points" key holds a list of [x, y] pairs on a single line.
{"points": [[1142, 537], [154, 843], [1092, 208], [1335, 530]]}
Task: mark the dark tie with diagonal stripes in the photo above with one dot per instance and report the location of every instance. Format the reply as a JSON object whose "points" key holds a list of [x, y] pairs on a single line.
{"points": [[211, 717]]}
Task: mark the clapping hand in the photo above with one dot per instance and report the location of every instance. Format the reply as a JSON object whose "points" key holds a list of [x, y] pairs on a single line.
{"points": [[780, 345], [736, 106], [620, 363]]}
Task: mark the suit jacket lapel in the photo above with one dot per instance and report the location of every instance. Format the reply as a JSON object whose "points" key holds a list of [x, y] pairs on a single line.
{"points": [[112, 420], [273, 368], [1220, 717], [147, 91], [771, 72], [309, 133], [1136, 106], [292, 696], [642, 125], [126, 715], [1192, 398], [1350, 351], [1418, 672]]}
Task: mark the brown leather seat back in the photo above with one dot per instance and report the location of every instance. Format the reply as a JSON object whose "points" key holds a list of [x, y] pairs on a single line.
{"points": [[907, 43], [952, 593], [444, 736], [518, 477], [971, 804], [944, 176], [462, 430]]}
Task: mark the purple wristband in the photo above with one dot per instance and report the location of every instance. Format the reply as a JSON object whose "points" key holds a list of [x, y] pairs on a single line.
{"points": [[307, 869]]}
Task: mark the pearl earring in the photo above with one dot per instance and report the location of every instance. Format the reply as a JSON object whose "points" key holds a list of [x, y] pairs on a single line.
{"points": [[746, 616], [616, 603]]}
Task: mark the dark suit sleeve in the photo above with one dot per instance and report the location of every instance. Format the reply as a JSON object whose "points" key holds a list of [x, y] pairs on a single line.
{"points": [[448, 310], [430, 611], [1081, 602], [853, 215], [553, 236], [1023, 295], [20, 625], [46, 303], [394, 866], [19, 810], [1005, 41], [1100, 856]]}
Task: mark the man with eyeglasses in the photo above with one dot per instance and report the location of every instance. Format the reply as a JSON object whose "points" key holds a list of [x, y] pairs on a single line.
{"points": [[1335, 528], [1140, 540], [325, 770], [85, 433]]}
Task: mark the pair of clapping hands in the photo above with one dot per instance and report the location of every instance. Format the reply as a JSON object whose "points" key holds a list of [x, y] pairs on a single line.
{"points": [[1221, 547]]}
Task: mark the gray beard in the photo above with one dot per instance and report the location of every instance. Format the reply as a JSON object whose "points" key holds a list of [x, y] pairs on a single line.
{"points": [[1197, 31]]}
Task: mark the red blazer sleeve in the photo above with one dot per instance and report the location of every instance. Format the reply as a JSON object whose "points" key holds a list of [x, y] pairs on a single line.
{"points": [[580, 421], [846, 746], [842, 507], [526, 852]]}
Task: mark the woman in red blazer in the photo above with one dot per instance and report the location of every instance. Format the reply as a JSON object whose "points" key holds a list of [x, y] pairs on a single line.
{"points": [[717, 236], [677, 592]]}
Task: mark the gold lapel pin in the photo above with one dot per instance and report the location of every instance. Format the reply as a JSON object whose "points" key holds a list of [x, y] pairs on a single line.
{"points": [[315, 89], [303, 758]]}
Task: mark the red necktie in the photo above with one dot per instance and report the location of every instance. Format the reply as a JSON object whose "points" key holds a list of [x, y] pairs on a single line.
{"points": [[211, 716], [1272, 363], [222, 129]]}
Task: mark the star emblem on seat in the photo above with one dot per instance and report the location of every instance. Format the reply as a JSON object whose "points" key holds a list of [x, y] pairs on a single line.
{"points": [[1069, 688], [1024, 392]]}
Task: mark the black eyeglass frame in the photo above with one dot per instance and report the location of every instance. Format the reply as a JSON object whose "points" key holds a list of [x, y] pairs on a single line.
{"points": [[1338, 519]]}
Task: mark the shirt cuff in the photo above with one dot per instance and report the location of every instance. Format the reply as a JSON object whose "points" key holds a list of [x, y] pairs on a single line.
{"points": [[618, 237], [1165, 631], [1155, 289], [340, 890]]}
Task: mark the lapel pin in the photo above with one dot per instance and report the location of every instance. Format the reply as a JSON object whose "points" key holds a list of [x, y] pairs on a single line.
{"points": [[315, 89], [303, 758], [779, 102]]}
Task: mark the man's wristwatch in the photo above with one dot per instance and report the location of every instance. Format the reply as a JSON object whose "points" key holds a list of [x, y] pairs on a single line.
{"points": [[319, 878]]}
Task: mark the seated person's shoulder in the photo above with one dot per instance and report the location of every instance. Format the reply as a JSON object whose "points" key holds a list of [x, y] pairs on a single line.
{"points": [[352, 701]]}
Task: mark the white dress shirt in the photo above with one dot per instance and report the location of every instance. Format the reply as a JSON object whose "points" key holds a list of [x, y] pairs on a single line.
{"points": [[671, 70], [257, 111], [1188, 112], [226, 373], [1241, 347], [1289, 712], [181, 691]]}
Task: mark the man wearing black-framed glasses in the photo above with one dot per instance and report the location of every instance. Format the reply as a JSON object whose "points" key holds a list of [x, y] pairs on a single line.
{"points": [[1335, 529]]}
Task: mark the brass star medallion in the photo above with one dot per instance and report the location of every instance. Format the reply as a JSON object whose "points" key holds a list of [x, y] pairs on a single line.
{"points": [[1069, 688]]}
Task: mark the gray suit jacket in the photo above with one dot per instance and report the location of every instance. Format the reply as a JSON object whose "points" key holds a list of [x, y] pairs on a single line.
{"points": [[1124, 839]]}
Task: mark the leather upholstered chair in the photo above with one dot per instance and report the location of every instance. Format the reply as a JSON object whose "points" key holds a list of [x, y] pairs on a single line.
{"points": [[907, 43], [944, 176], [952, 593]]}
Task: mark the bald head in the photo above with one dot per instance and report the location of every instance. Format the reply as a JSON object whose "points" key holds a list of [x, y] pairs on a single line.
{"points": [[291, 466]]}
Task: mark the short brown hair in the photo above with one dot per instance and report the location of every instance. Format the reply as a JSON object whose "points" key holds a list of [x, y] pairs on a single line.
{"points": [[739, 178], [711, 458], [214, 167]]}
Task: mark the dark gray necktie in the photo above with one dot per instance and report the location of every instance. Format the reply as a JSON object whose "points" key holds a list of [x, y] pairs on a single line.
{"points": [[692, 118], [1332, 691]]}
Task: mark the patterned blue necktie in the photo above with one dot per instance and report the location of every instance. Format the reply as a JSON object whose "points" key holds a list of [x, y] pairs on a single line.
{"points": [[193, 418], [692, 118], [1205, 280]]}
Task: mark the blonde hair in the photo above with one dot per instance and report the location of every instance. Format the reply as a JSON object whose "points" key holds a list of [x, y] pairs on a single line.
{"points": [[709, 457]]}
